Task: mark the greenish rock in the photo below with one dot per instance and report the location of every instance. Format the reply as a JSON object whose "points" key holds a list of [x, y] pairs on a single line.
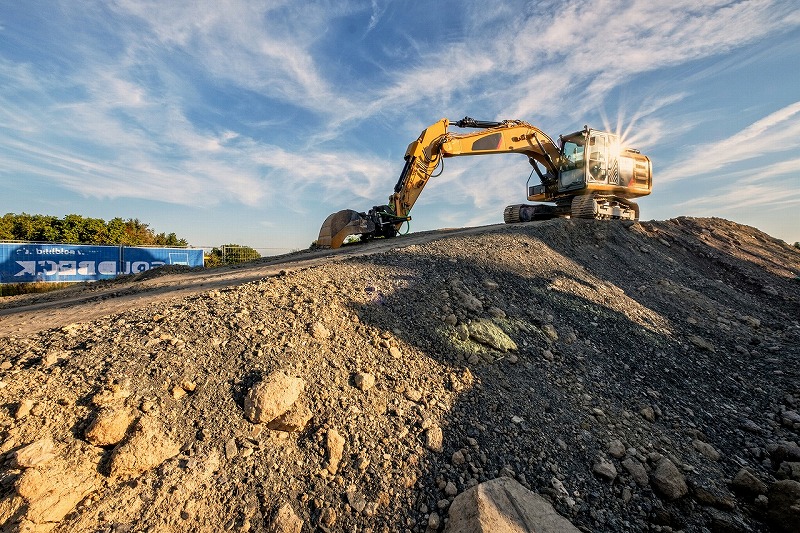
{"points": [[488, 333]]}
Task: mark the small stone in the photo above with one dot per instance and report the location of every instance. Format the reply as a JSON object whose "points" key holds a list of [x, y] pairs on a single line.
{"points": [[789, 470], [708, 494], [413, 395], [548, 355], [355, 499], [272, 397], [434, 439], [178, 392], [364, 381], [706, 450], [784, 505], [434, 522], [491, 284], [702, 343], [550, 332], [451, 319], [604, 468], [394, 351], [188, 385], [504, 505], [327, 518], [6, 365], [668, 481], [231, 450], [458, 458], [636, 470], [752, 321], [334, 445], [24, 408], [648, 413], [319, 331], [496, 312], [616, 449], [450, 489], [488, 333]]}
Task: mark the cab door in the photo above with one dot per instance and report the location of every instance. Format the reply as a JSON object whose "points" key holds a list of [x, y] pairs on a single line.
{"points": [[598, 158]]}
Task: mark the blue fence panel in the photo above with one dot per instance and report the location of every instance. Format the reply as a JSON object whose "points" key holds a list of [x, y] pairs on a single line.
{"points": [[21, 263], [138, 259]]}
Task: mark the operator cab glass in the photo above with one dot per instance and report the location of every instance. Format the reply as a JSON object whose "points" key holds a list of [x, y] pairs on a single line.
{"points": [[572, 173]]}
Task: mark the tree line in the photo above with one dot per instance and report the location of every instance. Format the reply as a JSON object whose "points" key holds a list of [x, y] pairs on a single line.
{"points": [[77, 229]]}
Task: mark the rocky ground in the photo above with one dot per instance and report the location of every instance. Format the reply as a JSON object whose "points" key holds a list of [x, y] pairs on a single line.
{"points": [[640, 377]]}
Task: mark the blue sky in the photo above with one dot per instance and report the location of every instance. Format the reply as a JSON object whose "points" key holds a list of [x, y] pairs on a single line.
{"points": [[250, 122]]}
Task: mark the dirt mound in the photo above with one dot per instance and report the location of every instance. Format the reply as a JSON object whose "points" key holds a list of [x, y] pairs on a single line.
{"points": [[638, 376]]}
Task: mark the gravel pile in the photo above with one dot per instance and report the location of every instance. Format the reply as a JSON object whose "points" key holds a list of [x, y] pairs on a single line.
{"points": [[639, 377]]}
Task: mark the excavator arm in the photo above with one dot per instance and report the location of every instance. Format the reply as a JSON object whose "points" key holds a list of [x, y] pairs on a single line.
{"points": [[425, 155]]}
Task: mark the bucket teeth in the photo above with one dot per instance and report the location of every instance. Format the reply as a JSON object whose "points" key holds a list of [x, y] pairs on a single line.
{"points": [[340, 225]]}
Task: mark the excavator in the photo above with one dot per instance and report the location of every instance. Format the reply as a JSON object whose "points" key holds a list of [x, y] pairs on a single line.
{"points": [[588, 174]]}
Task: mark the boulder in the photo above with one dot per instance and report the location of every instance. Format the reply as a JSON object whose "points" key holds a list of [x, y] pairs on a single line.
{"points": [[668, 481], [270, 398], [488, 333], [747, 483], [110, 426], [783, 513], [147, 447], [53, 490], [502, 505]]}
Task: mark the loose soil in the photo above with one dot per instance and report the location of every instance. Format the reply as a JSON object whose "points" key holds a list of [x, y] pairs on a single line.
{"points": [[575, 356]]}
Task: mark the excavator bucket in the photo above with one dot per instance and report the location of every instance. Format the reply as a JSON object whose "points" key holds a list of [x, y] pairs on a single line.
{"points": [[340, 225]]}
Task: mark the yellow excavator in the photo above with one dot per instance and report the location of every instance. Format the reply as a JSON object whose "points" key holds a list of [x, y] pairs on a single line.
{"points": [[588, 174]]}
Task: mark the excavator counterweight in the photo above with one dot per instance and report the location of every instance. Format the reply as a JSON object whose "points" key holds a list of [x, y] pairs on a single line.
{"points": [[588, 174]]}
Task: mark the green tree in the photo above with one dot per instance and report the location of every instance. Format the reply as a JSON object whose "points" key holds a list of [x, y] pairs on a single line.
{"points": [[76, 229]]}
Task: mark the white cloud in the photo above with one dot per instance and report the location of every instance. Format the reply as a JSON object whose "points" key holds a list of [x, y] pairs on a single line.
{"points": [[777, 132]]}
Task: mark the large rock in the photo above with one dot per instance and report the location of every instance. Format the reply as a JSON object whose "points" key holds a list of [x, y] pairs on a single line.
{"points": [[784, 505], [36, 453], [488, 333], [502, 505], [272, 397], [668, 481], [53, 490], [147, 447], [110, 426], [746, 482]]}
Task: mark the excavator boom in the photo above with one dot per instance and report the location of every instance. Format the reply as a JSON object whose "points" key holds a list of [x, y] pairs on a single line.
{"points": [[422, 158]]}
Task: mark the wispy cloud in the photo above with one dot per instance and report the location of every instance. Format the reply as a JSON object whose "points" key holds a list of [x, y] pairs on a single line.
{"points": [[122, 122], [771, 188], [777, 132]]}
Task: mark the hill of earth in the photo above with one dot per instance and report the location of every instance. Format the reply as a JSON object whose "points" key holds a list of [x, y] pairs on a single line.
{"points": [[567, 374]]}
